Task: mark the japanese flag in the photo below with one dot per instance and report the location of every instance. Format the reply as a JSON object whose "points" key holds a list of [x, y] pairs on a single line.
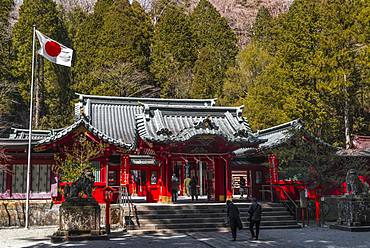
{"points": [[54, 51]]}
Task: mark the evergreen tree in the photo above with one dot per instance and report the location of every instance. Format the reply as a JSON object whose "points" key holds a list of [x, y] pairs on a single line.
{"points": [[116, 35], [213, 40], [52, 81], [125, 35], [315, 163], [6, 85], [86, 46], [250, 64], [73, 20], [319, 66], [345, 65], [172, 52], [263, 25]]}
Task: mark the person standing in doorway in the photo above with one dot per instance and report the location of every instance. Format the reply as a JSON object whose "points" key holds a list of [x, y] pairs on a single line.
{"points": [[255, 212], [242, 187], [193, 188], [233, 218], [175, 187]]}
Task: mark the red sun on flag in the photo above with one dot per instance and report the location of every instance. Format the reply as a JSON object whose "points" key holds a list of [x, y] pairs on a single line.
{"points": [[52, 48]]}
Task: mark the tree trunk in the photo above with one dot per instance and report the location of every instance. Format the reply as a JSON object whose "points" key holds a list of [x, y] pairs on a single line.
{"points": [[38, 92], [346, 117]]}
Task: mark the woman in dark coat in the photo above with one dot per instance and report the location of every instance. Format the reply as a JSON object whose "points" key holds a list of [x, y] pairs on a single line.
{"points": [[193, 188], [234, 218]]}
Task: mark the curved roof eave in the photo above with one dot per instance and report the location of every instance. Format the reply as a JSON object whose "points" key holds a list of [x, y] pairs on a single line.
{"points": [[88, 126]]}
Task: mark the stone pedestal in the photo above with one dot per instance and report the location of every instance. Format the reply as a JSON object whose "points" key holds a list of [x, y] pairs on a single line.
{"points": [[79, 220], [353, 213]]}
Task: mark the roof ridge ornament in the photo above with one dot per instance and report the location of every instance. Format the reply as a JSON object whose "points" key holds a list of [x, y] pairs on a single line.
{"points": [[241, 132], [206, 123], [164, 131]]}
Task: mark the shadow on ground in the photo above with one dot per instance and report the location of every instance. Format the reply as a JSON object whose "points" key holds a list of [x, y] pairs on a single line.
{"points": [[132, 241]]}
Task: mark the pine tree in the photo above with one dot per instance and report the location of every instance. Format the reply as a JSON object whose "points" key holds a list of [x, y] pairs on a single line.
{"points": [[345, 63], [52, 81], [125, 35], [85, 45], [116, 35], [6, 85], [172, 52], [262, 26], [320, 66], [213, 40]]}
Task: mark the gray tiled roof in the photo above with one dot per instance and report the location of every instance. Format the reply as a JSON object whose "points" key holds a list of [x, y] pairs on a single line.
{"points": [[19, 137], [88, 126], [22, 134], [275, 136], [9, 142], [115, 116], [165, 123], [354, 152], [278, 134]]}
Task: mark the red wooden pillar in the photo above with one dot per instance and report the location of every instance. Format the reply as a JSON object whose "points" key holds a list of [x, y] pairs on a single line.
{"points": [[168, 178], [104, 170], [317, 205], [181, 180], [229, 191], [228, 180], [254, 189], [165, 195]]}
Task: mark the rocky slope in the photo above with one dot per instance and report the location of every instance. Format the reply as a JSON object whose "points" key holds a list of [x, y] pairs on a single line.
{"points": [[240, 14]]}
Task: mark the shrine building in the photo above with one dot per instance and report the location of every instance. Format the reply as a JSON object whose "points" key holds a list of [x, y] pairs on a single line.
{"points": [[146, 141]]}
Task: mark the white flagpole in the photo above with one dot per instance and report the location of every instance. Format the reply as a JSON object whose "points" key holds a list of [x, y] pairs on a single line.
{"points": [[30, 130]]}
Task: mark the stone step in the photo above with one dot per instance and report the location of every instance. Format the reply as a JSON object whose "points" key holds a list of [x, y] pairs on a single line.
{"points": [[209, 225], [200, 206], [215, 215], [190, 230], [203, 217], [191, 219], [194, 211]]}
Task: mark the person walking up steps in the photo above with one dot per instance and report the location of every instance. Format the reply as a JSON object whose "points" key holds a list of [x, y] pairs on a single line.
{"points": [[255, 212], [233, 218]]}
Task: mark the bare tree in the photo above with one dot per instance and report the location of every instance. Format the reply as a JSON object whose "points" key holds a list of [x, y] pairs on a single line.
{"points": [[73, 160], [123, 79], [4, 160]]}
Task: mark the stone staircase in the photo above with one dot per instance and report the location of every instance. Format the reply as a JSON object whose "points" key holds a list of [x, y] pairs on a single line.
{"points": [[203, 217]]}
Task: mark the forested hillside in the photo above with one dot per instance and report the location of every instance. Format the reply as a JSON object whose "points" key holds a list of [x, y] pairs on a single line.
{"points": [[307, 59]]}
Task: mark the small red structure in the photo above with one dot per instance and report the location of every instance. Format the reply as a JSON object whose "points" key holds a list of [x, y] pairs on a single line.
{"points": [[108, 199]]}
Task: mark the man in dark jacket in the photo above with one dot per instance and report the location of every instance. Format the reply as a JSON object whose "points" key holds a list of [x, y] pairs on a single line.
{"points": [[193, 188], [175, 187], [234, 218], [255, 212]]}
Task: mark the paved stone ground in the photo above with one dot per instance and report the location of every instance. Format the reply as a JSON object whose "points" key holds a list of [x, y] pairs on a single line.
{"points": [[311, 237]]}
